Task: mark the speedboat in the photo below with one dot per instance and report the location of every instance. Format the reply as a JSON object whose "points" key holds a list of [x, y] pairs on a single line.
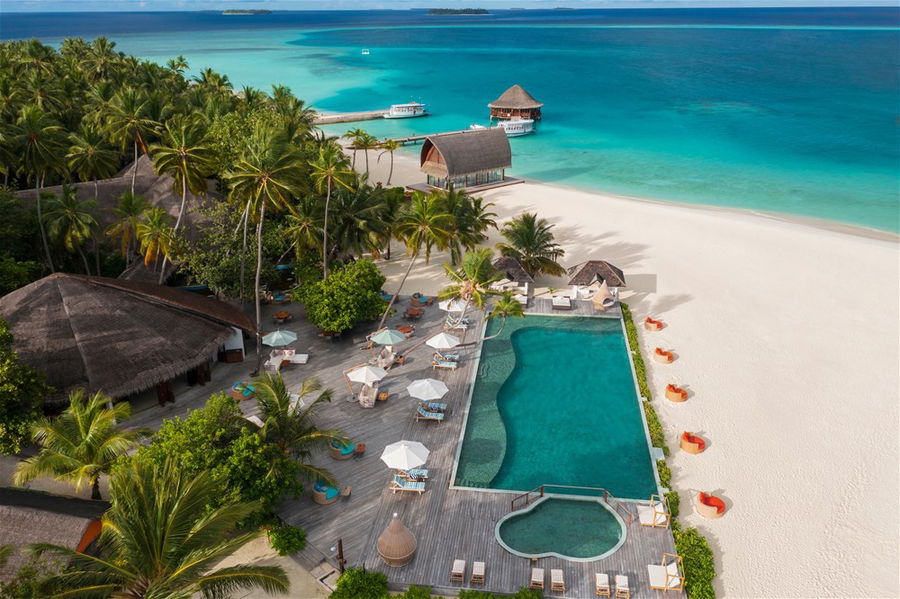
{"points": [[365, 52], [513, 127]]}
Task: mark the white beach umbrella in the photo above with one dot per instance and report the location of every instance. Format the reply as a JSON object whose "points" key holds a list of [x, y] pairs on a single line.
{"points": [[443, 341], [367, 374], [452, 305], [279, 338], [427, 389], [388, 337], [404, 455]]}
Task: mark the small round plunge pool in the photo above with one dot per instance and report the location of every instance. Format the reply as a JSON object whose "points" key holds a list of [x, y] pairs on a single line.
{"points": [[580, 530]]}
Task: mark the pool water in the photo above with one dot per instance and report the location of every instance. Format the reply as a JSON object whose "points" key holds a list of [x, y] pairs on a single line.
{"points": [[554, 403], [567, 528]]}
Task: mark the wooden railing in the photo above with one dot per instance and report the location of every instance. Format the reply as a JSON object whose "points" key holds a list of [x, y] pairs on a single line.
{"points": [[538, 492]]}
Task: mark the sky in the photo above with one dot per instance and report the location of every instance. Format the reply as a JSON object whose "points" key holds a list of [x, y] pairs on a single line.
{"points": [[139, 5]]}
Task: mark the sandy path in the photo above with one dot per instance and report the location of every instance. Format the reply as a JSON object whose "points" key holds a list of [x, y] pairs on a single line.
{"points": [[787, 337]]}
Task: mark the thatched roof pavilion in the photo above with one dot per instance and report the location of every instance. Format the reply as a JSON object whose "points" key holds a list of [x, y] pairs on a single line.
{"points": [[115, 336], [596, 270], [516, 102], [466, 158], [34, 517], [513, 269]]}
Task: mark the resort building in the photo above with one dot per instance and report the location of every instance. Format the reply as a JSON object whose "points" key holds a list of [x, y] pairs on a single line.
{"points": [[33, 517], [469, 158], [516, 102], [119, 337]]}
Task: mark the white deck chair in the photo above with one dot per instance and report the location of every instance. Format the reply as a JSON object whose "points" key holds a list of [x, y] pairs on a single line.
{"points": [[557, 582], [623, 591], [537, 579], [478, 572], [668, 575], [458, 571], [601, 585]]}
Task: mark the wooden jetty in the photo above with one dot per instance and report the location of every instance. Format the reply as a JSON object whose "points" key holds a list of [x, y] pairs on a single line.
{"points": [[349, 117]]}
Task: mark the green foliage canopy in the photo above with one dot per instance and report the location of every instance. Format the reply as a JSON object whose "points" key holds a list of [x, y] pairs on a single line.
{"points": [[22, 392], [351, 294]]}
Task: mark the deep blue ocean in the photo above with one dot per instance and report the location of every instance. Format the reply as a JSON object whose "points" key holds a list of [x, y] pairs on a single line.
{"points": [[783, 110]]}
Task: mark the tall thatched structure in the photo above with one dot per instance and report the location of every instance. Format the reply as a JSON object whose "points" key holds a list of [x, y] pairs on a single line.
{"points": [[516, 102], [596, 270], [32, 517], [466, 158], [115, 336]]}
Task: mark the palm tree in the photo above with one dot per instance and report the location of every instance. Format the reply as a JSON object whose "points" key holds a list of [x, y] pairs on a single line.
{"points": [[389, 146], [81, 444], [71, 221], [505, 307], [329, 169], [178, 64], [530, 241], [299, 118], [127, 122], [267, 175], [365, 142], [159, 539], [129, 212], [423, 225], [353, 135], [90, 157], [288, 424], [101, 58], [470, 220], [155, 235], [358, 223], [183, 155], [39, 139], [304, 225], [471, 282]]}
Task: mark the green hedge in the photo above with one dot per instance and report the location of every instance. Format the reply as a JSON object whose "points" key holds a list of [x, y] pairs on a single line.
{"points": [[639, 368], [357, 583], [286, 539], [665, 480], [699, 566], [654, 427]]}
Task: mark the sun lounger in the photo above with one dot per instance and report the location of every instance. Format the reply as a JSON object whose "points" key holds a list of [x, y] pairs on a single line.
{"points": [[414, 474], [423, 414], [521, 298], [478, 573], [537, 579], [255, 420], [439, 355], [450, 326], [367, 396], [655, 514], [458, 571], [623, 591], [398, 483], [561, 303], [557, 583], [433, 406], [443, 364], [299, 359], [601, 585], [668, 575]]}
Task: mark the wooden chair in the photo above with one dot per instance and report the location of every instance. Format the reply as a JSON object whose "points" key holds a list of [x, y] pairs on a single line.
{"points": [[537, 579], [656, 514], [623, 591], [601, 585], [478, 572], [668, 576], [557, 583], [458, 571]]}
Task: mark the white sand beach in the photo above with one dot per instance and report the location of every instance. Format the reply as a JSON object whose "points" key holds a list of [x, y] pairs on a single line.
{"points": [[786, 335]]}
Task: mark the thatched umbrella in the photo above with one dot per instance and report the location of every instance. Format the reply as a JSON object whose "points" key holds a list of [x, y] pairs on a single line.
{"points": [[115, 336], [396, 545]]}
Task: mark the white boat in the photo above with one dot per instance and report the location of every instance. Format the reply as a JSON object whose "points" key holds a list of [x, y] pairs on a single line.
{"points": [[406, 111], [513, 127], [365, 52]]}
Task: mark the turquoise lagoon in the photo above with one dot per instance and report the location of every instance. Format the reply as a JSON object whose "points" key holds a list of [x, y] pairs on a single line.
{"points": [[786, 111], [554, 403]]}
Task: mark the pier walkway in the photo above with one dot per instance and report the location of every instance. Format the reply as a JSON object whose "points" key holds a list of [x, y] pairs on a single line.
{"points": [[349, 117]]}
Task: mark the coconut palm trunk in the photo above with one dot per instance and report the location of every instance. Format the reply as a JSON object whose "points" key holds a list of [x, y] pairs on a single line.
{"points": [[394, 297], [134, 165], [162, 273], [259, 228], [391, 169], [37, 190], [325, 232]]}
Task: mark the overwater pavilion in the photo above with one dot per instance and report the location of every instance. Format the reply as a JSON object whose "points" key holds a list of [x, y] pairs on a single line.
{"points": [[516, 102]]}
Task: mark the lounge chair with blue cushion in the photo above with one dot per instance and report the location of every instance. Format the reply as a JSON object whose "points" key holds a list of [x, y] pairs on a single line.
{"points": [[433, 406], [414, 474], [423, 414], [444, 364], [447, 357], [398, 483]]}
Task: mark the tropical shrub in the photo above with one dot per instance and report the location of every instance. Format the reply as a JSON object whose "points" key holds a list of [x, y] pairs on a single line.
{"points": [[415, 592], [286, 539], [654, 427], [216, 438], [699, 565], [27, 580], [357, 583], [665, 480], [640, 369], [469, 594], [22, 392], [351, 294], [529, 240]]}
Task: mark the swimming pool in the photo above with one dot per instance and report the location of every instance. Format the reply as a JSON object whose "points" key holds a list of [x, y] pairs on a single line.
{"points": [[554, 403], [577, 530]]}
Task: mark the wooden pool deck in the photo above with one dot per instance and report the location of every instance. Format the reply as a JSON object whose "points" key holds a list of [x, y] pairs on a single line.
{"points": [[449, 523]]}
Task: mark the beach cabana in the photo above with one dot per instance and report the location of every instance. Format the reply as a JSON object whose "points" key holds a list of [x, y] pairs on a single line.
{"points": [[466, 158], [516, 102], [115, 336], [595, 271], [514, 273]]}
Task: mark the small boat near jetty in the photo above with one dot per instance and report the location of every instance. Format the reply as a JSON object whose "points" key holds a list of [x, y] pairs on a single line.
{"points": [[513, 127], [365, 52], [406, 111]]}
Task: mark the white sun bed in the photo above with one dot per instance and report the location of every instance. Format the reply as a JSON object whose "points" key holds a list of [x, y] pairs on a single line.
{"points": [[458, 571], [667, 576], [623, 591]]}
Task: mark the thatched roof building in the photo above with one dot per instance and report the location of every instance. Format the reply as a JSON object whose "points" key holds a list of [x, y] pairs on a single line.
{"points": [[515, 102], [466, 158], [115, 336], [34, 517], [513, 269], [596, 270]]}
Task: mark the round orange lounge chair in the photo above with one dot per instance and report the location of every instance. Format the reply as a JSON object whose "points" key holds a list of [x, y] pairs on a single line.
{"points": [[709, 506], [662, 356], [653, 325], [691, 443], [676, 394]]}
